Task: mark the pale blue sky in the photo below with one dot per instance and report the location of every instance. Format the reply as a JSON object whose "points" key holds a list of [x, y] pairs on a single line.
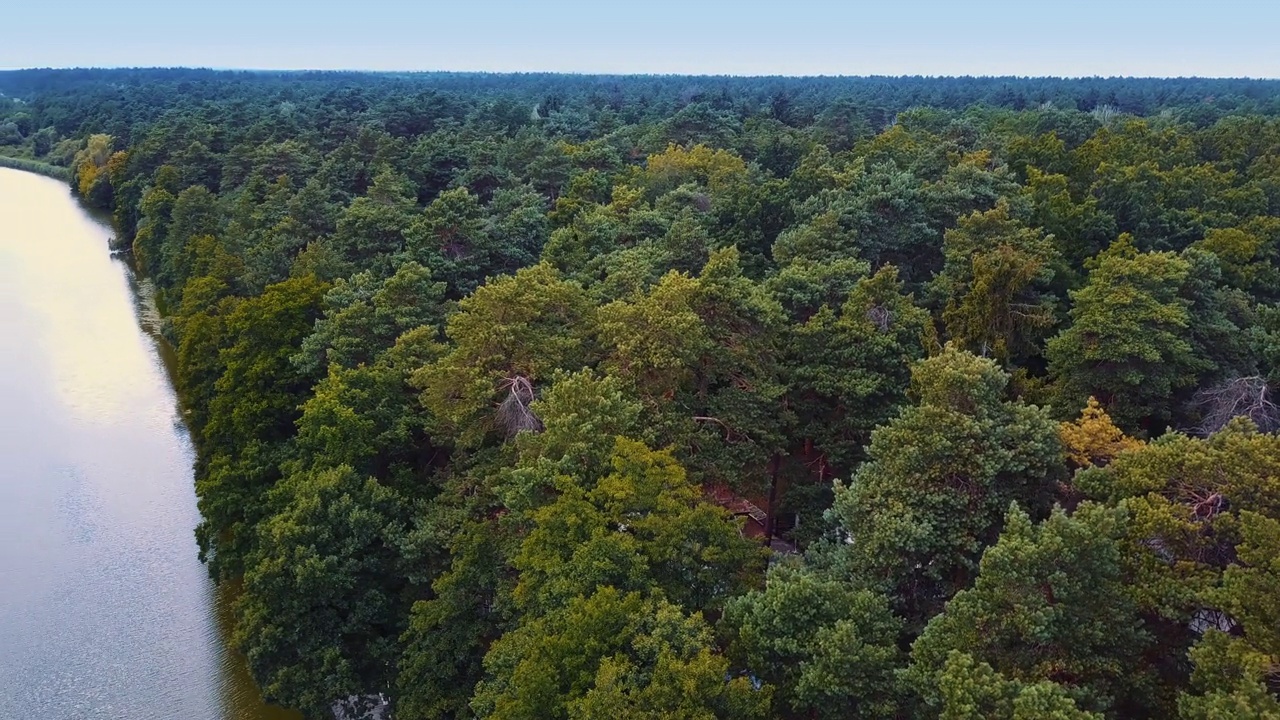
{"points": [[1216, 38]]}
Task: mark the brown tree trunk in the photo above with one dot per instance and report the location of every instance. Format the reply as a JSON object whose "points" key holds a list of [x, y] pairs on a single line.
{"points": [[775, 466]]}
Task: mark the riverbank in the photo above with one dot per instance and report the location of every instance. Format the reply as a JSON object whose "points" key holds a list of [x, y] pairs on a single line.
{"points": [[35, 166], [107, 612]]}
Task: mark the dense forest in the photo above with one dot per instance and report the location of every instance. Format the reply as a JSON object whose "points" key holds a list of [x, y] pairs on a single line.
{"points": [[541, 396]]}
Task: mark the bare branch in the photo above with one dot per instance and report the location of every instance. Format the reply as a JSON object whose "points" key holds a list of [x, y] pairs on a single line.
{"points": [[880, 316], [1248, 397], [514, 414]]}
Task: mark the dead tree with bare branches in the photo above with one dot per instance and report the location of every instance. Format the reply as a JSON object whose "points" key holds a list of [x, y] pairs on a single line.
{"points": [[1248, 397], [514, 414]]}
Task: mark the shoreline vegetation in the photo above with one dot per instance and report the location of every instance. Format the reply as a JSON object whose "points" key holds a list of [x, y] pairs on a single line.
{"points": [[734, 398], [35, 166]]}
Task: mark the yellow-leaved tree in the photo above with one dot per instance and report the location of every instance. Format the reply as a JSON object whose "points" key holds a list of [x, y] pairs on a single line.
{"points": [[90, 166], [1092, 439]]}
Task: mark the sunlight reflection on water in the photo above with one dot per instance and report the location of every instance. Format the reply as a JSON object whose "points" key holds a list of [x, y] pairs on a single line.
{"points": [[104, 610]]}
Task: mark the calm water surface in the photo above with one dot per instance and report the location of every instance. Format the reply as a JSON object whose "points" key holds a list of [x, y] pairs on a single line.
{"points": [[105, 612]]}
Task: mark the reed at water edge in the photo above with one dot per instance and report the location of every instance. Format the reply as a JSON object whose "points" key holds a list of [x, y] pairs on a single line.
{"points": [[35, 166]]}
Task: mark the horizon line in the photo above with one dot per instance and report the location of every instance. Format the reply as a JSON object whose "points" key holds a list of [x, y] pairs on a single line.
{"points": [[588, 73]]}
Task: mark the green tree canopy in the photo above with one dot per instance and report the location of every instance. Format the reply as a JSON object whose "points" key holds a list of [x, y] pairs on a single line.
{"points": [[938, 481]]}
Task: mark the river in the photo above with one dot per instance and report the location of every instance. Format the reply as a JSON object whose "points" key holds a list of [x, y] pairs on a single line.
{"points": [[105, 612]]}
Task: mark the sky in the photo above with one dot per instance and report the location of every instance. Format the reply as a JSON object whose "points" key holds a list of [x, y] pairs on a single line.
{"points": [[1211, 38]]}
